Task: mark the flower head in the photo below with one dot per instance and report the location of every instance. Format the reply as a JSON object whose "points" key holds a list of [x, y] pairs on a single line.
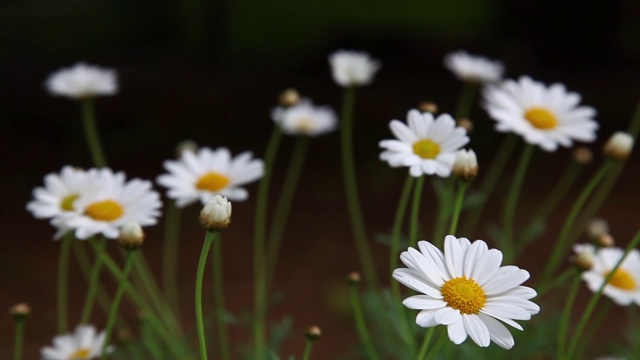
{"points": [[303, 118], [466, 165], [82, 81], [619, 146], [60, 193], [83, 344], [426, 145], [216, 214], [624, 286], [545, 116], [198, 176], [585, 255], [131, 236], [475, 69], [466, 289], [352, 68]]}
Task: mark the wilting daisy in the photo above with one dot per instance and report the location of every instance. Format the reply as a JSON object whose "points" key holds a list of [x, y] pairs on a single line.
{"points": [[60, 192], [304, 118], [82, 81], [352, 68], [83, 344], [466, 289], [426, 146], [544, 116], [476, 69], [198, 176], [624, 286]]}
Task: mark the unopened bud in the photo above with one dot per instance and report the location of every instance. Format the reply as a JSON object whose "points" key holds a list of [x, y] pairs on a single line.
{"points": [[606, 240], [428, 106], [596, 228], [582, 155], [619, 146], [20, 311], [186, 145], [289, 97], [466, 124], [216, 214], [585, 256], [466, 165], [354, 278], [131, 236], [313, 333]]}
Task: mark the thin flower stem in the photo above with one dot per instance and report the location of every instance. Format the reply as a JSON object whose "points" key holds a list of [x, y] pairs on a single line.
{"points": [[597, 319], [116, 301], [462, 187], [307, 350], [566, 317], [558, 281], [444, 211], [259, 257], [573, 345], [425, 343], [220, 309], [561, 245], [63, 278], [512, 204], [199, 277], [94, 281], [415, 211], [351, 189], [283, 208], [465, 101], [361, 325], [170, 258], [436, 348], [634, 126], [149, 339], [91, 133], [19, 340]]}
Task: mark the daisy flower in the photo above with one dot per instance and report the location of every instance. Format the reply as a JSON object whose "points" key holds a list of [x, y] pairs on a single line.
{"points": [[545, 116], [60, 193], [115, 203], [624, 286], [82, 81], [352, 68], [475, 69], [305, 119], [426, 146], [467, 290], [585, 255], [83, 344], [199, 176]]}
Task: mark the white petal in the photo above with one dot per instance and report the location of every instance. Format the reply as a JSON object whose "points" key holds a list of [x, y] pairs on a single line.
{"points": [[447, 315], [456, 331], [423, 302], [476, 329], [498, 332]]}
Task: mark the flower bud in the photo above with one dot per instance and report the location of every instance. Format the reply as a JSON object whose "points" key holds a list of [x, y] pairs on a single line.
{"points": [[354, 278], [466, 124], [216, 214], [596, 228], [606, 240], [585, 256], [466, 165], [186, 145], [619, 146], [313, 333], [289, 97], [131, 236], [428, 106], [582, 155], [20, 311]]}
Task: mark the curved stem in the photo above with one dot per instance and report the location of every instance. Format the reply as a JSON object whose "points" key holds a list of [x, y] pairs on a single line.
{"points": [[199, 277], [444, 210], [91, 133], [361, 325], [434, 350], [415, 211], [307, 350], [170, 258], [220, 309], [425, 343], [63, 278], [93, 282], [462, 187], [19, 340], [566, 317]]}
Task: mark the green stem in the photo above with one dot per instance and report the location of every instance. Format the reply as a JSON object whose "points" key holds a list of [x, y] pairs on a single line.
{"points": [[561, 245], [462, 187], [116, 302], [566, 316], [425, 343], [558, 281], [283, 208], [149, 340], [508, 247], [63, 278], [307, 350], [199, 276], [415, 211], [351, 189], [465, 101], [170, 258], [19, 340], [94, 281], [363, 331], [444, 211], [220, 309], [91, 133], [600, 315], [259, 257], [596, 297], [634, 126], [434, 350]]}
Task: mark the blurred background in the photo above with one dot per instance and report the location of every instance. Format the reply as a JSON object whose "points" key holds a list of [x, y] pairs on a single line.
{"points": [[211, 71]]}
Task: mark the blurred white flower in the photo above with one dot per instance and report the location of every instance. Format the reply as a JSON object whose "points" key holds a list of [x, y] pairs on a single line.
{"points": [[216, 214], [624, 286], [585, 255], [466, 164], [304, 118], [60, 193], [470, 68], [619, 145], [352, 68], [82, 81], [83, 344]]}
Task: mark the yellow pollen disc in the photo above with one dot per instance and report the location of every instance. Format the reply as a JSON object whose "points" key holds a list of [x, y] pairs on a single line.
{"points": [[464, 295], [107, 210], [541, 118], [212, 181], [80, 354], [305, 125], [622, 280], [426, 149], [67, 203]]}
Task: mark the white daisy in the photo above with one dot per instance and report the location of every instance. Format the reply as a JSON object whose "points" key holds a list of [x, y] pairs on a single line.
{"points": [[83, 344], [466, 164], [624, 287], [466, 289], [352, 68], [82, 81], [544, 116], [585, 255], [426, 146], [199, 176], [60, 193], [305, 119], [111, 206], [476, 69]]}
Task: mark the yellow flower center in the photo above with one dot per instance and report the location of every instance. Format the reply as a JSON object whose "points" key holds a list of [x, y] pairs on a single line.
{"points": [[464, 295], [305, 125], [426, 149], [67, 203], [541, 118], [107, 210], [622, 280], [80, 354], [212, 181]]}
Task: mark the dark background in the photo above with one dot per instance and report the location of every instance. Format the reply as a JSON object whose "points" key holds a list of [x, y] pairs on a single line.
{"points": [[211, 71]]}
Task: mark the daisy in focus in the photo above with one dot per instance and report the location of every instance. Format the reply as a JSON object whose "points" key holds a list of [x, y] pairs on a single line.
{"points": [[304, 118], [83, 344], [199, 176], [467, 290], [82, 81], [624, 286], [352, 68], [427, 145], [545, 116], [473, 69]]}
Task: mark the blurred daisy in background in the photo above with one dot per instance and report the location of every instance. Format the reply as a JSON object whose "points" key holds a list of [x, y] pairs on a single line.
{"points": [[624, 286], [352, 68], [60, 193], [304, 118], [82, 81], [83, 344], [474, 69]]}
